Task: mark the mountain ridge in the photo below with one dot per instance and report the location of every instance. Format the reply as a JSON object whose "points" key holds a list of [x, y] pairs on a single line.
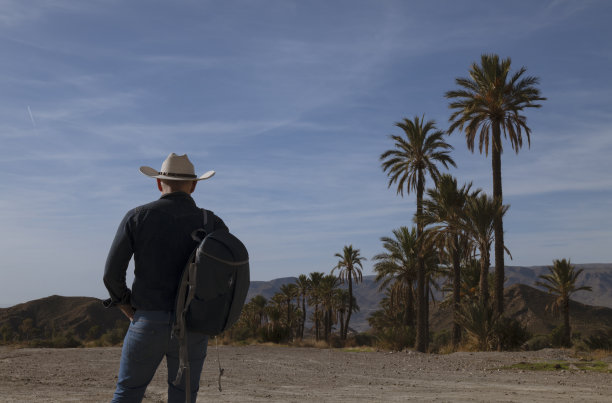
{"points": [[80, 314]]}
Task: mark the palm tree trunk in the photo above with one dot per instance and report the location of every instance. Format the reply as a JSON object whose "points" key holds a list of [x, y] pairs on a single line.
{"points": [[289, 317], [498, 223], [327, 325], [484, 275], [427, 299], [350, 306], [456, 337], [567, 331], [421, 331], [303, 316], [410, 305], [317, 334]]}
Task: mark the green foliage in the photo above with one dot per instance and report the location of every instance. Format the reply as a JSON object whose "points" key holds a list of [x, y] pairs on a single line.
{"points": [[364, 339], [111, 338], [395, 338], [238, 333], [66, 340], [558, 337], [481, 323], [114, 336], [561, 282], [7, 333], [440, 340], [27, 330], [93, 332], [274, 334], [492, 99], [489, 330], [511, 333], [537, 343], [601, 340]]}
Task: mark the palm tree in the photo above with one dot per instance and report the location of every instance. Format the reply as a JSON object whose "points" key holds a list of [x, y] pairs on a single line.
{"points": [[288, 292], [561, 282], [256, 311], [303, 288], [327, 291], [470, 280], [342, 304], [407, 166], [314, 299], [478, 222], [488, 103], [392, 312], [480, 321], [349, 267], [274, 312], [396, 269], [444, 210]]}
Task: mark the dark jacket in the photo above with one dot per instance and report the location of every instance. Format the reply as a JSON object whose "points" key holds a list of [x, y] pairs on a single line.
{"points": [[158, 235]]}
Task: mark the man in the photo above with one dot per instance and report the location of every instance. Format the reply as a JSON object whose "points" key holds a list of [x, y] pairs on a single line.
{"points": [[158, 235]]}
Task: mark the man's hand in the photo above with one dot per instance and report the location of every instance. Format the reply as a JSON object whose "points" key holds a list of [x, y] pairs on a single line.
{"points": [[127, 311]]}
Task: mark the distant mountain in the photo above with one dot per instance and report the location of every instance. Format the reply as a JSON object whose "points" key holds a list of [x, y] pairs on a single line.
{"points": [[75, 314], [80, 314]]}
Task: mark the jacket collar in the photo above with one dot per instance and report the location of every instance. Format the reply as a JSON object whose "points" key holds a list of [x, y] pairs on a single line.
{"points": [[177, 196]]}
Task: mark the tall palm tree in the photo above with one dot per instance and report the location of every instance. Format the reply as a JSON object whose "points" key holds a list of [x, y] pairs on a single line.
{"points": [[480, 215], [407, 165], [349, 267], [303, 288], [396, 269], [444, 210], [561, 282], [488, 104]]}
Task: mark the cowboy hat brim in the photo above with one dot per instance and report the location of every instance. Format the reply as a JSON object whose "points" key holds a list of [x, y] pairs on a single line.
{"points": [[154, 173]]}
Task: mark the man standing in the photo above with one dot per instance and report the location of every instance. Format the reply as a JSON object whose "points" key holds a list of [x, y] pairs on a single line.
{"points": [[158, 235]]}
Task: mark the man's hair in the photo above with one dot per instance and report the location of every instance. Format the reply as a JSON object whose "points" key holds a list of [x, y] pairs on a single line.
{"points": [[178, 186]]}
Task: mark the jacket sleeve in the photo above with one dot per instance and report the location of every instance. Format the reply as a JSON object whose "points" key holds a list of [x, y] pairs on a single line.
{"points": [[119, 256]]}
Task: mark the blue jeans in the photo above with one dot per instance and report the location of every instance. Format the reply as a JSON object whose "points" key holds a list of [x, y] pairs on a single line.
{"points": [[146, 343]]}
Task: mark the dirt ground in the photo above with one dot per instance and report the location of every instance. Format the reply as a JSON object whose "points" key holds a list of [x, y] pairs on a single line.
{"points": [[284, 374]]}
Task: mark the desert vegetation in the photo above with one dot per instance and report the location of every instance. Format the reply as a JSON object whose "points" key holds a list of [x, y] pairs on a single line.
{"points": [[449, 246], [28, 334]]}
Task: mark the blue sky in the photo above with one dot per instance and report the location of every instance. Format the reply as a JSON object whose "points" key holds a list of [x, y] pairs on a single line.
{"points": [[292, 103]]}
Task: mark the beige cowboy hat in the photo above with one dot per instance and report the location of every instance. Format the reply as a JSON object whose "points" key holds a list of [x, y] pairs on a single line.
{"points": [[176, 167]]}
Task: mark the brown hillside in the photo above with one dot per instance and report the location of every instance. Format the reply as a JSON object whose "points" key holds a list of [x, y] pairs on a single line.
{"points": [[528, 305], [76, 314]]}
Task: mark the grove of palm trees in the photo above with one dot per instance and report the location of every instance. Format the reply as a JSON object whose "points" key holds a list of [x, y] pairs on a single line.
{"points": [[445, 245]]}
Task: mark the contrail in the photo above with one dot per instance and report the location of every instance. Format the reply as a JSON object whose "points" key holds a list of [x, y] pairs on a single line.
{"points": [[31, 116]]}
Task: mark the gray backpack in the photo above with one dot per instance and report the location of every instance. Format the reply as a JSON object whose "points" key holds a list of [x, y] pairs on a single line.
{"points": [[212, 290]]}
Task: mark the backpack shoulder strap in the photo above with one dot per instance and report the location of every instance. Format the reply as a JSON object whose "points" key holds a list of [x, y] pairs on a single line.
{"points": [[209, 221], [207, 228]]}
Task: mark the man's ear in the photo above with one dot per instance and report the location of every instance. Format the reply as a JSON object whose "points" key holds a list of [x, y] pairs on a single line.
{"points": [[159, 185], [193, 186]]}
